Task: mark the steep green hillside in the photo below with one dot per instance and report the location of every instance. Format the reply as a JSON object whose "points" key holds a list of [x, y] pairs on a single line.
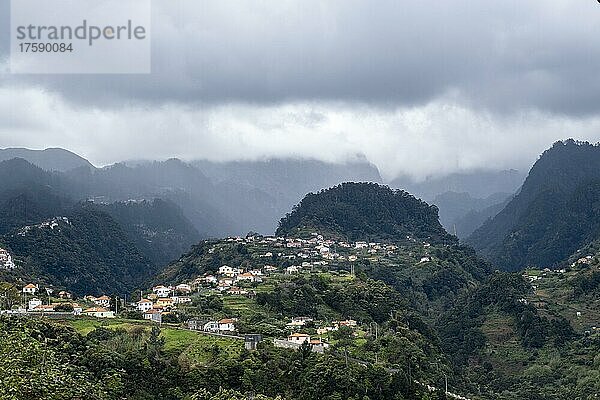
{"points": [[158, 228], [84, 250], [509, 341], [556, 212]]}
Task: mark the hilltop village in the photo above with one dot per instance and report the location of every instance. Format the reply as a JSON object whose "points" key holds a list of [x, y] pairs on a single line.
{"points": [[268, 261]]}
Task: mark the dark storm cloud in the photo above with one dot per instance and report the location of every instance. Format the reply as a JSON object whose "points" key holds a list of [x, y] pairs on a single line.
{"points": [[499, 55], [419, 88]]}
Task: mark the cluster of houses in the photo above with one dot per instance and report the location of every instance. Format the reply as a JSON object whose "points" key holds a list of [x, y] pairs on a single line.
{"points": [[49, 224], [297, 340], [32, 304], [163, 300], [587, 260]]}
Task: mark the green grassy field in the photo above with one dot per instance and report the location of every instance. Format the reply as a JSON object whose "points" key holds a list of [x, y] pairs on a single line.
{"points": [[196, 347]]}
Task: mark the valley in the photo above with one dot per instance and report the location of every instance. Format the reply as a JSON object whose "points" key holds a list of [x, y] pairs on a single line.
{"points": [[360, 289]]}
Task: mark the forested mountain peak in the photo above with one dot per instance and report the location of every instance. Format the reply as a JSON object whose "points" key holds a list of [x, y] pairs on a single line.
{"points": [[555, 213], [365, 211]]}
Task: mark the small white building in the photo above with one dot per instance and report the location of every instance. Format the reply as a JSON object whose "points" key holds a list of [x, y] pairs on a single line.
{"points": [[102, 301], [211, 326], [227, 325], [144, 305], [210, 279], [30, 288], [183, 288], [229, 271], [153, 315], [299, 338], [161, 291], [99, 312], [248, 277], [299, 321], [270, 268], [6, 261], [65, 295], [181, 299], [77, 309], [323, 249], [292, 269], [33, 303]]}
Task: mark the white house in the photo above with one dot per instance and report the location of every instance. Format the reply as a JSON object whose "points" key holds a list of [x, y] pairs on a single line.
{"points": [[210, 279], [161, 291], [211, 326], [299, 338], [183, 288], [30, 288], [99, 312], [227, 325], [153, 315], [248, 277], [181, 299], [33, 303], [299, 321], [292, 269], [102, 301], [323, 249], [229, 271], [425, 259], [144, 305], [64, 294]]}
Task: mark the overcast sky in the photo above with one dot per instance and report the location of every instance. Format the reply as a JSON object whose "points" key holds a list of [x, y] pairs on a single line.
{"points": [[417, 87]]}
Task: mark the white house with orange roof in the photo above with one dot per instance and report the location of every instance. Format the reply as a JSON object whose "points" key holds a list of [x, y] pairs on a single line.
{"points": [[30, 288], [144, 305], [227, 325], [102, 301], [299, 338]]}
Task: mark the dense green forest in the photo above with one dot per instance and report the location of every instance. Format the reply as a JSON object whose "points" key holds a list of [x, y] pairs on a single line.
{"points": [[158, 228], [85, 251], [555, 213], [365, 211], [95, 248]]}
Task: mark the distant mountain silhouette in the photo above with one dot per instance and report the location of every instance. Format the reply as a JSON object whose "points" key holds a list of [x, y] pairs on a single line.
{"points": [[479, 184], [462, 213], [53, 159]]}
